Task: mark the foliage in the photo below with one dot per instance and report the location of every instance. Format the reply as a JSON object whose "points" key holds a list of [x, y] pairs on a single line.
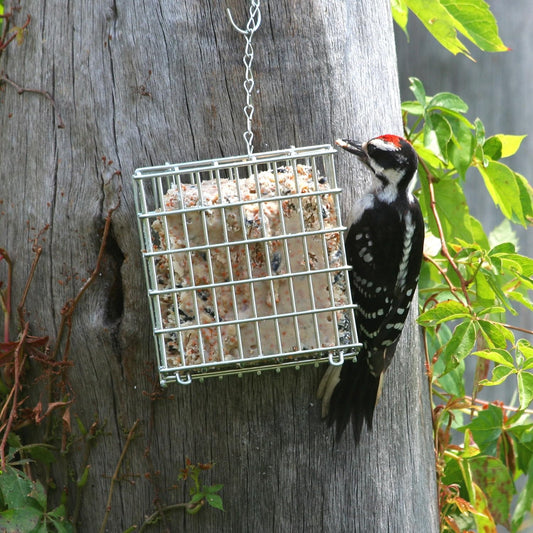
{"points": [[200, 494], [23, 505], [24, 501], [444, 19], [470, 282], [10, 33]]}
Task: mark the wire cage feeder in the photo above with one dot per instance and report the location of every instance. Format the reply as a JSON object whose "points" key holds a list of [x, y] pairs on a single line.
{"points": [[245, 264]]}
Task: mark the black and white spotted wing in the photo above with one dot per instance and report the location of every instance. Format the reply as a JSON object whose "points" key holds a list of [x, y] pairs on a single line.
{"points": [[385, 244]]}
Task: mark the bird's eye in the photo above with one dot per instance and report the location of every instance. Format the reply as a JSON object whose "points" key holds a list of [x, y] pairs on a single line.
{"points": [[384, 158]]}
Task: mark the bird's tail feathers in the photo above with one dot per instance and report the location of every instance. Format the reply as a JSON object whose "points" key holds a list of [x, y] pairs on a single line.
{"points": [[350, 392]]}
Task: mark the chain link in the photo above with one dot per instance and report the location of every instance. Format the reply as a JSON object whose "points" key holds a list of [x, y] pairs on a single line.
{"points": [[253, 24]]}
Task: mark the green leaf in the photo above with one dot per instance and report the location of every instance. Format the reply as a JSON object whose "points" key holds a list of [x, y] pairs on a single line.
{"points": [[525, 348], [518, 297], [484, 290], [81, 427], [82, 480], [526, 196], [472, 18], [495, 334], [494, 479], [20, 520], [481, 513], [503, 187], [38, 495], [15, 488], [486, 429], [499, 374], [448, 101], [475, 21], [525, 500], [493, 148], [443, 312], [196, 497], [439, 23], [41, 453], [525, 388], [417, 88], [213, 488], [503, 232], [504, 145], [413, 108], [523, 438], [214, 500], [453, 381], [453, 212], [400, 13], [461, 149], [437, 134], [502, 357], [461, 343], [58, 517]]}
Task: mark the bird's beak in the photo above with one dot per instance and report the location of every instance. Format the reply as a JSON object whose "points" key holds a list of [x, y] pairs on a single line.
{"points": [[353, 147]]}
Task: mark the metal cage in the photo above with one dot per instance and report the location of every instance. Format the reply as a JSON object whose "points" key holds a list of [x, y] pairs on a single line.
{"points": [[245, 264]]}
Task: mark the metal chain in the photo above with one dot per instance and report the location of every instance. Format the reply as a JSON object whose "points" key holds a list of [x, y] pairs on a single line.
{"points": [[253, 24]]}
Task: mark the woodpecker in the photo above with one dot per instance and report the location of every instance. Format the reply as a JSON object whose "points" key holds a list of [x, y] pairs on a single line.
{"points": [[384, 248]]}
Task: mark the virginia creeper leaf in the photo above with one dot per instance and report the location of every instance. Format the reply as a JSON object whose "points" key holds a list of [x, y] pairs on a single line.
{"points": [[495, 334], [525, 500], [461, 344], [501, 357], [400, 13], [502, 145], [493, 477], [475, 21], [499, 374], [443, 312], [486, 429], [503, 187], [448, 101], [525, 388]]}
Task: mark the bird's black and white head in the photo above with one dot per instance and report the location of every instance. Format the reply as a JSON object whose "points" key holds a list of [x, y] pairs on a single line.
{"points": [[392, 159]]}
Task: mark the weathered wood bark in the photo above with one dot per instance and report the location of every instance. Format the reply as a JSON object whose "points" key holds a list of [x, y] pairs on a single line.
{"points": [[145, 82]]}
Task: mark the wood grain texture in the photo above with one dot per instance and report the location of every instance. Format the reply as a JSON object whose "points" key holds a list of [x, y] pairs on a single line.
{"points": [[145, 82]]}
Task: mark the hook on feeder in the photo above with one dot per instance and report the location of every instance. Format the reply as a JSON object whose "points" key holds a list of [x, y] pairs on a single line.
{"points": [[253, 15], [251, 27]]}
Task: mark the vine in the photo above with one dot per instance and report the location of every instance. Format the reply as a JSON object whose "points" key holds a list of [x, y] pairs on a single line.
{"points": [[469, 282]]}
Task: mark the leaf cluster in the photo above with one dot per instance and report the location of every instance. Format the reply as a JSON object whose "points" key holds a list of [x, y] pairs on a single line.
{"points": [[446, 19], [470, 282], [23, 505], [200, 494]]}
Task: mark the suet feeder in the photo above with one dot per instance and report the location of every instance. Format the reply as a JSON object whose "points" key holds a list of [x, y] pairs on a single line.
{"points": [[244, 261]]}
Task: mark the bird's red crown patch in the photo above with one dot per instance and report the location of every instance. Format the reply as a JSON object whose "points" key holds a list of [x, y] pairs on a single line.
{"points": [[393, 139]]}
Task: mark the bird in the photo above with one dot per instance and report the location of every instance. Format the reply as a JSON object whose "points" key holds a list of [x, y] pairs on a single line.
{"points": [[384, 247]]}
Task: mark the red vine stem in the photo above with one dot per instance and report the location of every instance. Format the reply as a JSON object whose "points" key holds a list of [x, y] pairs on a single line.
{"points": [[70, 306], [444, 247], [14, 401], [46, 94], [114, 479], [517, 328], [20, 307], [4, 44], [7, 298], [498, 404], [442, 272]]}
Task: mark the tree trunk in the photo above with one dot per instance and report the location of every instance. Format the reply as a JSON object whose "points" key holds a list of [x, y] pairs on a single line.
{"points": [[146, 82]]}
